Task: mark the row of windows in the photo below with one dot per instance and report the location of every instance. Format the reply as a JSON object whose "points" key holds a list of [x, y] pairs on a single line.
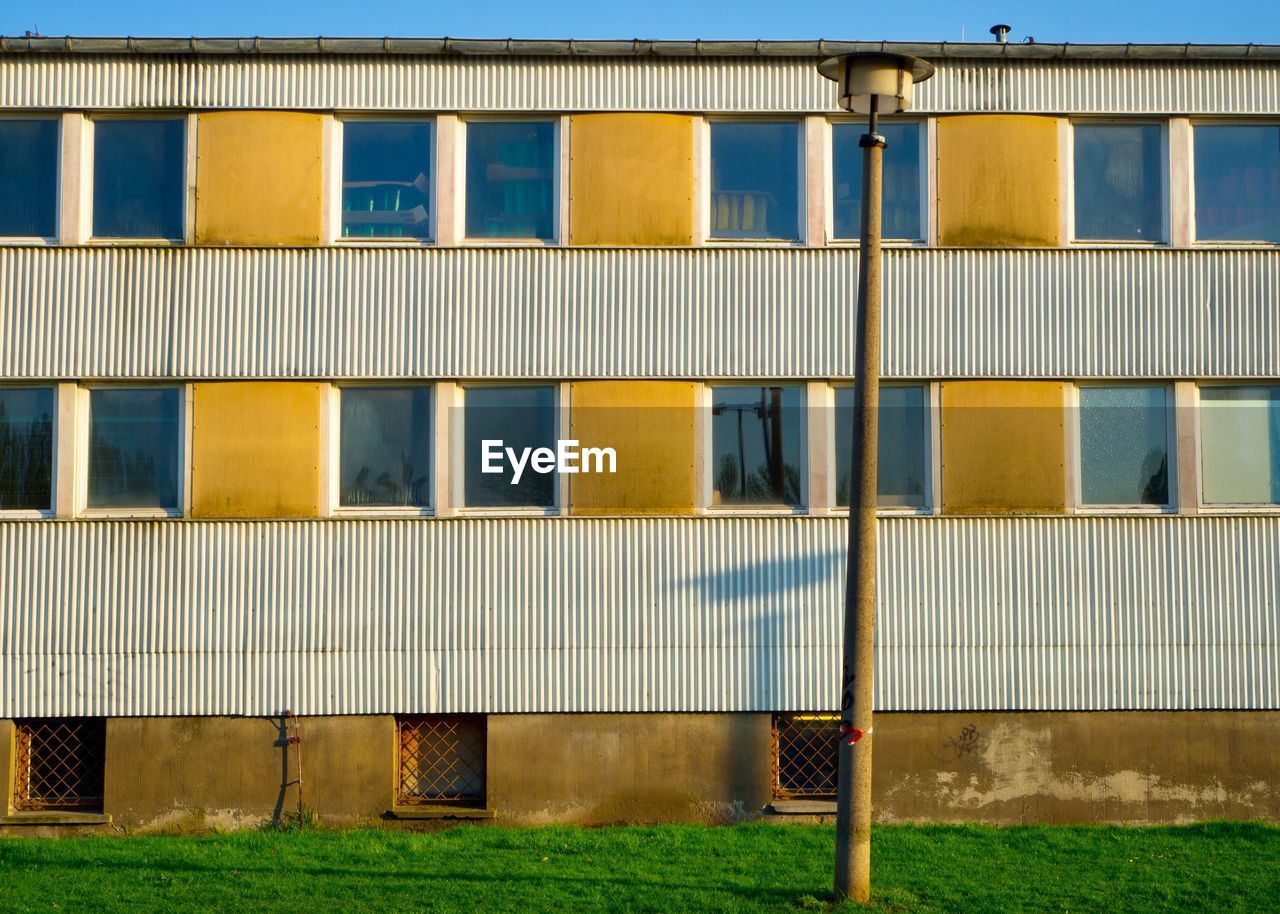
{"points": [[757, 186], [758, 455]]}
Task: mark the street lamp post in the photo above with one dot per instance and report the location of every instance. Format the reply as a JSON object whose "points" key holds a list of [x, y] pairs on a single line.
{"points": [[871, 84]]}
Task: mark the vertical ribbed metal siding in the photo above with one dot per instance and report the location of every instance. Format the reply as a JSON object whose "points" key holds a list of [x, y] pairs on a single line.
{"points": [[621, 84], [342, 312], [734, 614]]}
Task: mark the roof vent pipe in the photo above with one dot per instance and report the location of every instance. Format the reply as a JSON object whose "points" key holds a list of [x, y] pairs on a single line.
{"points": [[1001, 32]]}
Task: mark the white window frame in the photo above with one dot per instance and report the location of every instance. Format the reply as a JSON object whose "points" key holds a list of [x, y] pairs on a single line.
{"points": [[560, 180], [57, 118], [83, 423], [1191, 170], [706, 453], [1076, 461], [458, 452], [1068, 193], [1208, 507], [338, 164], [931, 459], [704, 172], [336, 508], [54, 458], [926, 177], [89, 155]]}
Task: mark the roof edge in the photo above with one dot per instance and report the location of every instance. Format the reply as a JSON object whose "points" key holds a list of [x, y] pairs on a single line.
{"points": [[515, 47]]}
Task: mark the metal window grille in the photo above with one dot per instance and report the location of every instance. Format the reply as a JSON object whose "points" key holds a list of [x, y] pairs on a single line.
{"points": [[59, 763], [441, 759], [805, 755]]}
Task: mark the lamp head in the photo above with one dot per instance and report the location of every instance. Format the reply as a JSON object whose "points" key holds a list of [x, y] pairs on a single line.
{"points": [[888, 77]]}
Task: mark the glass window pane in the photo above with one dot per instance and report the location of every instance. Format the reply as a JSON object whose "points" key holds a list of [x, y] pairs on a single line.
{"points": [[139, 178], [385, 446], [26, 448], [755, 179], [1240, 435], [758, 445], [1237, 183], [510, 179], [900, 208], [133, 448], [1124, 446], [519, 417], [386, 179], [28, 177], [902, 465], [1119, 185]]}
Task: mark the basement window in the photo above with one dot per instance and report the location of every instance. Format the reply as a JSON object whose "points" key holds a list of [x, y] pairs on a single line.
{"points": [[1237, 178], [757, 445], [28, 177], [385, 448], [59, 764], [1119, 182], [26, 448], [139, 178], [386, 179], [442, 759], [511, 180], [902, 478], [1240, 445], [903, 177], [805, 756], [755, 180]]}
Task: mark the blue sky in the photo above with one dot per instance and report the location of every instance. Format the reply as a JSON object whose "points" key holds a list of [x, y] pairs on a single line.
{"points": [[923, 20]]}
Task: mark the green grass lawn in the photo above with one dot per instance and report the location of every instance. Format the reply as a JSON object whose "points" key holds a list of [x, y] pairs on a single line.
{"points": [[1217, 867]]}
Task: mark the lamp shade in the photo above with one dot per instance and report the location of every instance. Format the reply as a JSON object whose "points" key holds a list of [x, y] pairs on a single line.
{"points": [[887, 77]]}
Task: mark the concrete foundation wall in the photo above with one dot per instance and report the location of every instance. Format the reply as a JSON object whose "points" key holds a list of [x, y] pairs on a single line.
{"points": [[196, 774]]}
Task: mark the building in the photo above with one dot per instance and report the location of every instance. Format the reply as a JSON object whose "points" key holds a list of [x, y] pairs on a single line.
{"points": [[263, 301]]}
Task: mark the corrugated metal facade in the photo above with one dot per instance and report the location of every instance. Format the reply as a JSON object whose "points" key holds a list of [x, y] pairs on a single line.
{"points": [[155, 312], [732, 614], [450, 83]]}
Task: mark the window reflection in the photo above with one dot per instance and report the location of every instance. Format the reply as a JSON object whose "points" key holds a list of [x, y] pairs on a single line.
{"points": [[134, 448], [755, 180], [385, 446], [521, 417], [1237, 171], [28, 177], [510, 179], [1240, 435], [900, 206], [902, 461], [758, 447], [386, 179], [1118, 182], [1124, 446], [26, 448], [139, 181]]}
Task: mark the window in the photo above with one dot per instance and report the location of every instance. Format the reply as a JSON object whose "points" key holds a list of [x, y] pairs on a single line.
{"points": [[1237, 171], [1124, 446], [386, 179], [385, 447], [1240, 445], [515, 418], [1119, 182], [442, 759], [755, 180], [26, 448], [59, 763], [902, 479], [806, 756], [139, 178], [900, 209], [511, 179], [758, 445], [28, 177], [134, 447]]}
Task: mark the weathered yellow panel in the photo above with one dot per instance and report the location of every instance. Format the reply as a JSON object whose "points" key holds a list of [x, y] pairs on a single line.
{"points": [[651, 425], [631, 179], [256, 449], [1004, 447], [998, 180], [259, 178]]}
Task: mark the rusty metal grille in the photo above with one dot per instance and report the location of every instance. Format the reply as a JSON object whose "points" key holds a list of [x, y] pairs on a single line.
{"points": [[805, 755], [59, 763], [441, 759]]}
